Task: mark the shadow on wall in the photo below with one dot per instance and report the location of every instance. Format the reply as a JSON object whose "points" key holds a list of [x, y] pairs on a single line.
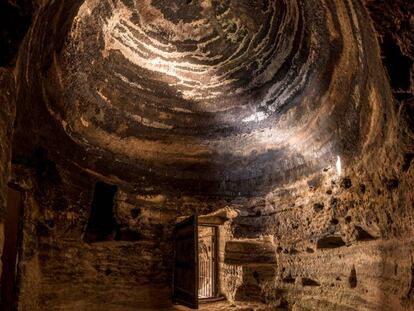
{"points": [[15, 20], [101, 225], [398, 66]]}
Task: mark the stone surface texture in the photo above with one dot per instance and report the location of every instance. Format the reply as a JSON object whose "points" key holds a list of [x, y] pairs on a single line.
{"points": [[7, 114], [288, 123]]}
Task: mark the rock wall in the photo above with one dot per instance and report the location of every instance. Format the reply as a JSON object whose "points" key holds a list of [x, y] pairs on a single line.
{"points": [[7, 114], [129, 269], [394, 24], [342, 242]]}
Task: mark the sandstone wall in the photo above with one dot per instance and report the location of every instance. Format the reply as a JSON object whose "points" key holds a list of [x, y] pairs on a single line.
{"points": [[132, 268]]}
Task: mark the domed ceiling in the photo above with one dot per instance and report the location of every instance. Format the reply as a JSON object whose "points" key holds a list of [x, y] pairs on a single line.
{"points": [[223, 97]]}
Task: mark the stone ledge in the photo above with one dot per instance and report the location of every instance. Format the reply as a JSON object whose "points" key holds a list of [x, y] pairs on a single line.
{"points": [[249, 252]]}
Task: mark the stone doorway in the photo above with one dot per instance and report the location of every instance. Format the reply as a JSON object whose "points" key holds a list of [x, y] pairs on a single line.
{"points": [[207, 262]]}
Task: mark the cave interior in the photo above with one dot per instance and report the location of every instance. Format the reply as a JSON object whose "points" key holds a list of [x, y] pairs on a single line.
{"points": [[246, 155]]}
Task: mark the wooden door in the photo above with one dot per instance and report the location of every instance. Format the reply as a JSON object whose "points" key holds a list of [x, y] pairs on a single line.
{"points": [[185, 279], [10, 250]]}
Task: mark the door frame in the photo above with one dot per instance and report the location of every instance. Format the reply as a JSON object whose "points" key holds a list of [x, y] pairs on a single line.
{"points": [[216, 264]]}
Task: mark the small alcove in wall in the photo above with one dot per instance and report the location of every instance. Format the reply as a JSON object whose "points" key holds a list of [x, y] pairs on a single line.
{"points": [[102, 225]]}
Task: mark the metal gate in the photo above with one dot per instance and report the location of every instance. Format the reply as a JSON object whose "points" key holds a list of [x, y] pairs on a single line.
{"points": [[207, 261]]}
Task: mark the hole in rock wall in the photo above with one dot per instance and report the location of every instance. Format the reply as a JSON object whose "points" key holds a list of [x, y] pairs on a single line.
{"points": [[363, 235], [398, 65], [15, 19], [330, 242], [353, 278], [102, 225], [309, 282]]}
